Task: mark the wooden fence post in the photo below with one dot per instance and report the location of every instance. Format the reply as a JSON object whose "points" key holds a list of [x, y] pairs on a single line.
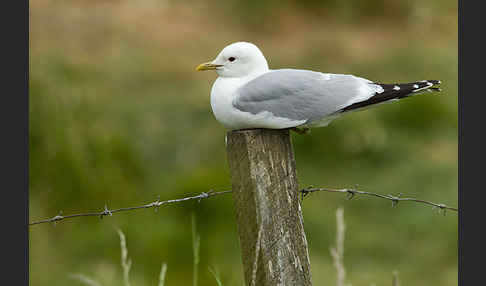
{"points": [[268, 213]]}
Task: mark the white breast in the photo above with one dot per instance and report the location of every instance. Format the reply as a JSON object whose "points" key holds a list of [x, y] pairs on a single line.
{"points": [[222, 94]]}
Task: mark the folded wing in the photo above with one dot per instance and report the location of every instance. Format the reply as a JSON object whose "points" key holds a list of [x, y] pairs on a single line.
{"points": [[302, 94]]}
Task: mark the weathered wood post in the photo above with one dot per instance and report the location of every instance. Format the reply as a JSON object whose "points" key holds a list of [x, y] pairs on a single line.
{"points": [[268, 213]]}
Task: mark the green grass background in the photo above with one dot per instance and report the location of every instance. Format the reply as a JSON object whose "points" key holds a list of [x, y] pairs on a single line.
{"points": [[119, 116]]}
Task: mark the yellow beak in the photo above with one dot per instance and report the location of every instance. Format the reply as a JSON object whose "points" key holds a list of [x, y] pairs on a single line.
{"points": [[207, 67]]}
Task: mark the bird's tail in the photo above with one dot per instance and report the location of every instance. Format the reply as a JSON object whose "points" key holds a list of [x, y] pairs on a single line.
{"points": [[393, 92]]}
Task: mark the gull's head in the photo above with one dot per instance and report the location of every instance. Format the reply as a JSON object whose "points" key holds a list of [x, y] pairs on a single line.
{"points": [[239, 59]]}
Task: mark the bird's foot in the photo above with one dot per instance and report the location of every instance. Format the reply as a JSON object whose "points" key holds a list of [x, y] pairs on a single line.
{"points": [[301, 131]]}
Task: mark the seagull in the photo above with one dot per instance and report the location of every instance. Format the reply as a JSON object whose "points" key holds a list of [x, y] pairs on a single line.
{"points": [[248, 94]]}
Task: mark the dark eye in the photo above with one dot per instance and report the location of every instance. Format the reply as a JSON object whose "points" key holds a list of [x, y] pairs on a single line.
{"points": [[231, 59]]}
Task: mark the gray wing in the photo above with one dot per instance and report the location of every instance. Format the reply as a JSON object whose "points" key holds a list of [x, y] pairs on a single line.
{"points": [[302, 94]]}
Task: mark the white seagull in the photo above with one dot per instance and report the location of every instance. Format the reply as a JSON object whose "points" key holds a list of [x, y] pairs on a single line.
{"points": [[247, 94]]}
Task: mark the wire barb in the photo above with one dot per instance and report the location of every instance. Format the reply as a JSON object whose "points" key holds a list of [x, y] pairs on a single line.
{"points": [[351, 194], [57, 218], [106, 211], [204, 195], [155, 204]]}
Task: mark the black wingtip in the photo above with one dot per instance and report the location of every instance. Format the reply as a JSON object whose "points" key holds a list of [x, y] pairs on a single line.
{"points": [[396, 91]]}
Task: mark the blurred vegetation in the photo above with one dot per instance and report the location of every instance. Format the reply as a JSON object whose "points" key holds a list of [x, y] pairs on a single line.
{"points": [[118, 116]]}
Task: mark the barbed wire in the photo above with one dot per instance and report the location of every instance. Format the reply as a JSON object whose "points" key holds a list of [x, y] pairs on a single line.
{"points": [[394, 199], [156, 204], [204, 195]]}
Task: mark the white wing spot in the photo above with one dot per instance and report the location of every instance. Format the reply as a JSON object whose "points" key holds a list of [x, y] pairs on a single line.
{"points": [[429, 84], [396, 87], [379, 89], [415, 86]]}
